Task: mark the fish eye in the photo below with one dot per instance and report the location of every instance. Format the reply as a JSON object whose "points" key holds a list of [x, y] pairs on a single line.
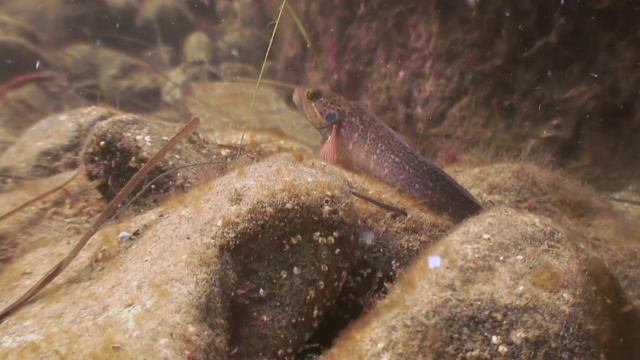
{"points": [[313, 95], [330, 116]]}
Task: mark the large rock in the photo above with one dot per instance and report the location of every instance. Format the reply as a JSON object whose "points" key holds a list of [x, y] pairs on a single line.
{"points": [[116, 149], [286, 255], [52, 144], [504, 284], [275, 239], [604, 232]]}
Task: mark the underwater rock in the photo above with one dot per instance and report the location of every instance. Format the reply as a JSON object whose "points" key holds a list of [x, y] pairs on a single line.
{"points": [[198, 48], [119, 147], [242, 37], [9, 242], [79, 62], [128, 83], [198, 54], [52, 144], [242, 45], [172, 20], [233, 70], [176, 288], [12, 27], [285, 253], [605, 231], [389, 243], [62, 215], [175, 91], [150, 22], [504, 283], [6, 139], [126, 300], [102, 74], [631, 197]]}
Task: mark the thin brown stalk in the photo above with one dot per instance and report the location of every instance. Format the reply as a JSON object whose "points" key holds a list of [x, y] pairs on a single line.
{"points": [[380, 204], [625, 201], [152, 182], [102, 219], [38, 198]]}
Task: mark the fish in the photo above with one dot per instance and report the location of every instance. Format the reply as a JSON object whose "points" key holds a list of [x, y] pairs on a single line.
{"points": [[351, 132]]}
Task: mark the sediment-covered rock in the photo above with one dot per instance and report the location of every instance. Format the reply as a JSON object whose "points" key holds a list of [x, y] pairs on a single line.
{"points": [[116, 149], [287, 246], [52, 144], [275, 239], [504, 284]]}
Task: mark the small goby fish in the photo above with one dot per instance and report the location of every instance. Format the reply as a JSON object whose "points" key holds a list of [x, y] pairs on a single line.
{"points": [[349, 130]]}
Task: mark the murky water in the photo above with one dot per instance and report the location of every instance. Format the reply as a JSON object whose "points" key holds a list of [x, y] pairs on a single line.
{"points": [[522, 102]]}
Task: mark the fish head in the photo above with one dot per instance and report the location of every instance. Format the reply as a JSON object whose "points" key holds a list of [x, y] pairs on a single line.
{"points": [[322, 107]]}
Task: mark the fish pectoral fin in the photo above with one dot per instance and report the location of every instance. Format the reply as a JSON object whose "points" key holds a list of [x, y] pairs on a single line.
{"points": [[329, 151]]}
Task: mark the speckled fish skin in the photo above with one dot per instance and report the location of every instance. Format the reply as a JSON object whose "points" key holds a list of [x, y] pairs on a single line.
{"points": [[375, 148]]}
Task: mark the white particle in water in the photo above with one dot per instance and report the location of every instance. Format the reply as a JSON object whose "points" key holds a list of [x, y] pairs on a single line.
{"points": [[435, 261], [367, 237]]}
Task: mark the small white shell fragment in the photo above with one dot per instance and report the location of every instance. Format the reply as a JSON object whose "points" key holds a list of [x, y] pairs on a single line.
{"points": [[124, 236], [502, 349]]}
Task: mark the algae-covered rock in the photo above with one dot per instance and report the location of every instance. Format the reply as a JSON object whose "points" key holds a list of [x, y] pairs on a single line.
{"points": [[286, 254], [119, 147], [504, 284], [275, 238], [605, 232], [390, 241], [52, 144]]}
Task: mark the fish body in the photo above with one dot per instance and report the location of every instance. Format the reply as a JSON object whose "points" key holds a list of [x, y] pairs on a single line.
{"points": [[374, 147]]}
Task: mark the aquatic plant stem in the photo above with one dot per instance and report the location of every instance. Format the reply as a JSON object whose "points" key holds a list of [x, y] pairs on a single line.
{"points": [[264, 65], [37, 198], [298, 22]]}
